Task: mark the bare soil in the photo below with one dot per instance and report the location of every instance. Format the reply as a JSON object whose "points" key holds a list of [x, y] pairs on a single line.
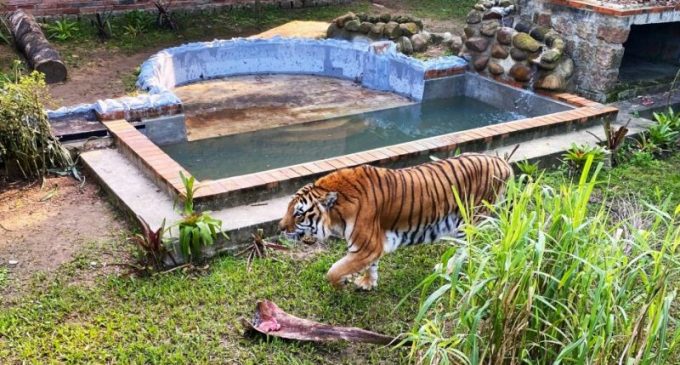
{"points": [[44, 227], [99, 74]]}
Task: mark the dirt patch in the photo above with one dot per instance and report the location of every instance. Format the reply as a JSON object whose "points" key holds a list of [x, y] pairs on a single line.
{"points": [[45, 227], [98, 74]]}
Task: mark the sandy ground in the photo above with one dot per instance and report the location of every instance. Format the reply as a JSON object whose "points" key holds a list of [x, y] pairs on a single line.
{"points": [[247, 103], [45, 227]]}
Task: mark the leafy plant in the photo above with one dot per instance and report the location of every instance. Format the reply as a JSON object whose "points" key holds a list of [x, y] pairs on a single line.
{"points": [[152, 244], [196, 229], [529, 169], [102, 22], [62, 30], [663, 135], [670, 117], [5, 37], [137, 22], [549, 279], [577, 155], [642, 158], [26, 140]]}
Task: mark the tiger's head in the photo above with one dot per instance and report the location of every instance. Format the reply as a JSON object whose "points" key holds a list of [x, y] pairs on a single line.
{"points": [[307, 216]]}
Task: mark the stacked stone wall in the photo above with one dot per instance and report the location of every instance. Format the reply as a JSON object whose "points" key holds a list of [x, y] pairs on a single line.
{"points": [[515, 51], [406, 31], [594, 40]]}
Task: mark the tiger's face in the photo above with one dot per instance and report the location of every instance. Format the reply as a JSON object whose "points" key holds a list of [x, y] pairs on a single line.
{"points": [[307, 216]]}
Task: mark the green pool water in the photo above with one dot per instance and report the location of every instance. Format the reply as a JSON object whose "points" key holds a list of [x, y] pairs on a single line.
{"points": [[267, 149]]}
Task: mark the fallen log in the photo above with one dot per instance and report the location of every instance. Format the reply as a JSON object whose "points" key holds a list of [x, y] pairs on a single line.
{"points": [[270, 320], [31, 41]]}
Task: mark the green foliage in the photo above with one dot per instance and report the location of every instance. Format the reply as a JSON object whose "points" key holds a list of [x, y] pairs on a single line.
{"points": [[137, 22], [4, 36], [577, 155], [671, 118], [17, 70], [663, 135], [196, 229], [642, 158], [550, 279], [26, 141], [529, 169], [62, 30]]}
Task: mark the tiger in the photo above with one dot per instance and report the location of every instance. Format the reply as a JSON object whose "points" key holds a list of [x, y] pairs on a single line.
{"points": [[378, 210]]}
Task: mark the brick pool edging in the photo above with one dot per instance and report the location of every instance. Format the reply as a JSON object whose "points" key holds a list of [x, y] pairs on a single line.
{"points": [[246, 189]]}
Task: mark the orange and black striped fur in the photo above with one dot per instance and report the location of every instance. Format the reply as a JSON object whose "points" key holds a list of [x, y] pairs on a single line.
{"points": [[378, 210]]}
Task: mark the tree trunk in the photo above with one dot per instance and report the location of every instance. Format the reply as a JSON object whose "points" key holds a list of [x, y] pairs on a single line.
{"points": [[30, 40]]}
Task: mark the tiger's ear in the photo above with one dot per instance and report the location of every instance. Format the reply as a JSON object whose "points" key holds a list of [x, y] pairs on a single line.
{"points": [[329, 200]]}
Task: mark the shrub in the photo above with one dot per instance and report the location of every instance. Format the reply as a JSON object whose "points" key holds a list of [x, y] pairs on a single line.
{"points": [[550, 279], [26, 141]]}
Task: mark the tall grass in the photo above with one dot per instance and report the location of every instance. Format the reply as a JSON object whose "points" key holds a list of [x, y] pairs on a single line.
{"points": [[551, 278]]}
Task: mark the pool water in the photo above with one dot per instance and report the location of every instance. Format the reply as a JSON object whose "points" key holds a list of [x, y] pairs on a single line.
{"points": [[267, 149]]}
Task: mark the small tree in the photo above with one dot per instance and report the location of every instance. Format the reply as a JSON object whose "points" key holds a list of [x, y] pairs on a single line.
{"points": [[26, 141]]}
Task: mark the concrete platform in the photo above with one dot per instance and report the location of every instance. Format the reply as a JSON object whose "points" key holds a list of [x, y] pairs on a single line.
{"points": [[297, 29]]}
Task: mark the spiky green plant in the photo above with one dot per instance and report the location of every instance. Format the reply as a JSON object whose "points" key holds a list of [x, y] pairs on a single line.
{"points": [[62, 30], [528, 168], [26, 141], [196, 229], [549, 278]]}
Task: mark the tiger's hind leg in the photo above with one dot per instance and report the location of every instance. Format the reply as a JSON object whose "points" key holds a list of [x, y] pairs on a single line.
{"points": [[368, 279], [352, 263]]}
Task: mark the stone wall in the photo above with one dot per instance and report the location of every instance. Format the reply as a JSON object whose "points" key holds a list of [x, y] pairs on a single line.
{"points": [[515, 51], [594, 37], [80, 7], [406, 31]]}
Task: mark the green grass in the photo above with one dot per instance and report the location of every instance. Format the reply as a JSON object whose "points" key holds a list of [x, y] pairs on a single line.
{"points": [[439, 9], [3, 277], [550, 278], [178, 318]]}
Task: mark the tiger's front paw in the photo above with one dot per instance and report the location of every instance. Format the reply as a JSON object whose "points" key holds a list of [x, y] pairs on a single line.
{"points": [[339, 282], [366, 282]]}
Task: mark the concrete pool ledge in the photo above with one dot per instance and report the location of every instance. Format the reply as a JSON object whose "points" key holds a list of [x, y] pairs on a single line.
{"points": [[251, 188]]}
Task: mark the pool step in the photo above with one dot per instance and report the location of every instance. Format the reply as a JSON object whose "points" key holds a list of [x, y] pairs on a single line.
{"points": [[137, 195]]}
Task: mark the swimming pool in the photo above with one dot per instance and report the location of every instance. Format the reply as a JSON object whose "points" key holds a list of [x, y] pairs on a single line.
{"points": [[268, 149]]}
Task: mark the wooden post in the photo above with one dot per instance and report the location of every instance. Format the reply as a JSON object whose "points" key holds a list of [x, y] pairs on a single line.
{"points": [[30, 40]]}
